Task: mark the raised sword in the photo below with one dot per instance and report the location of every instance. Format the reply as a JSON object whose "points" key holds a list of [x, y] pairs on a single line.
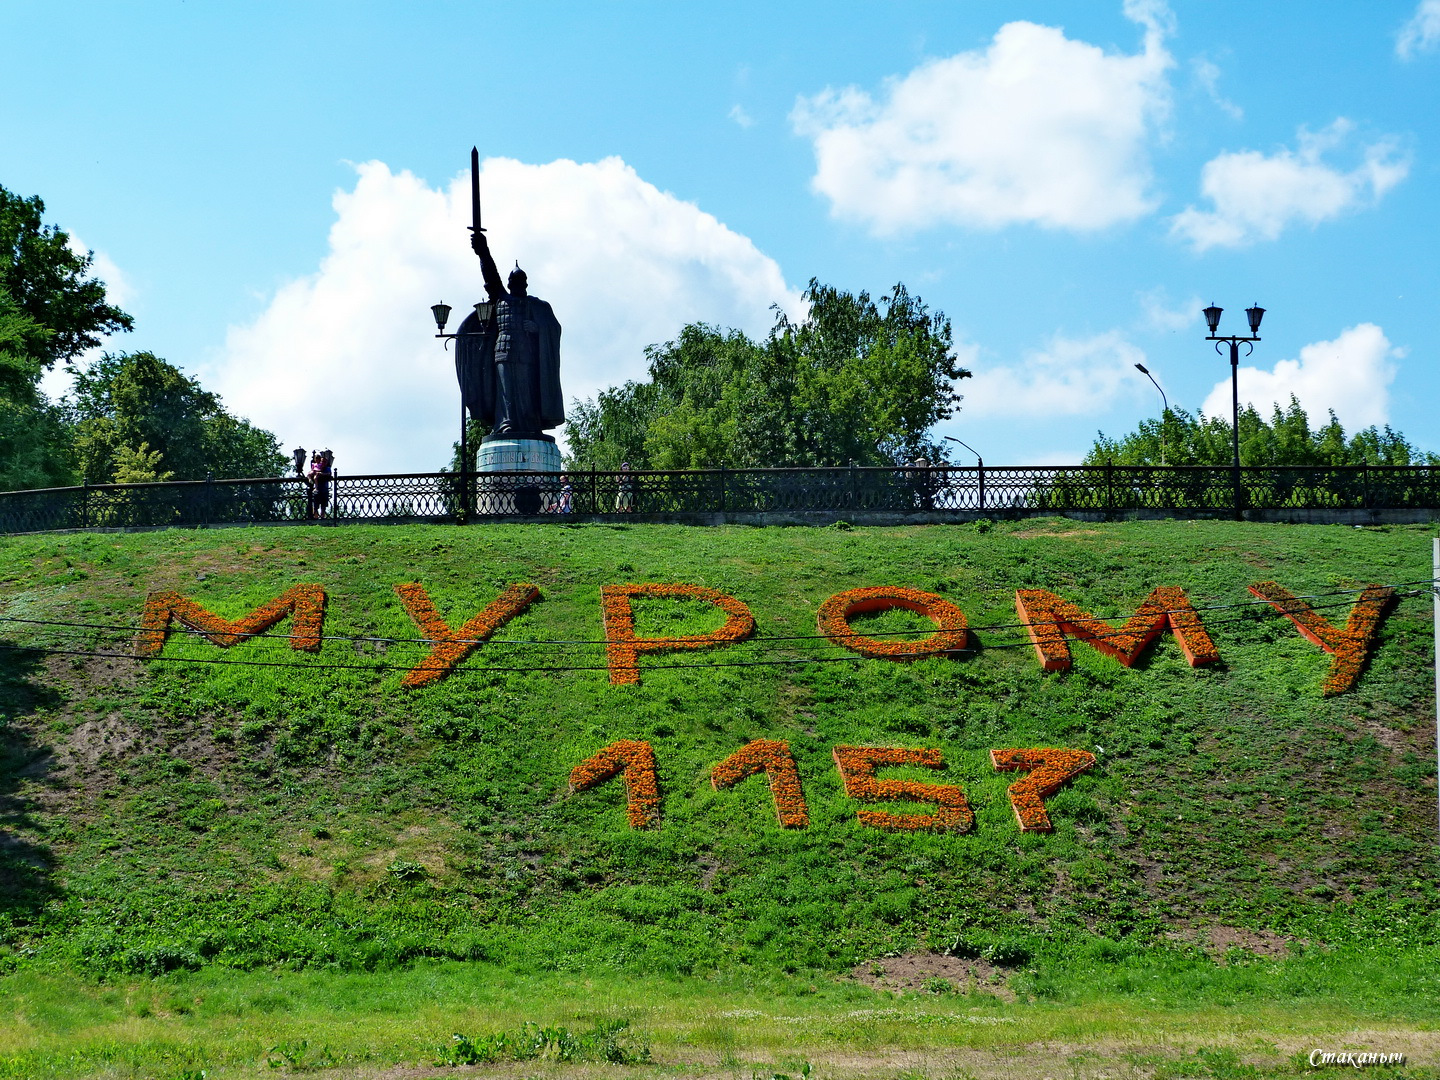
{"points": [[475, 190]]}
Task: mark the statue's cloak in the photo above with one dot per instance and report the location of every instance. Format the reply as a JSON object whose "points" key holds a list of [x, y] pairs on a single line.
{"points": [[475, 366]]}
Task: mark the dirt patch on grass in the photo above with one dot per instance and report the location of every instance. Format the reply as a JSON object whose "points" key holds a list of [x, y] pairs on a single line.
{"points": [[1219, 940], [1260, 942], [709, 870], [1388, 737], [109, 736], [933, 972], [1059, 534], [91, 673], [192, 568]]}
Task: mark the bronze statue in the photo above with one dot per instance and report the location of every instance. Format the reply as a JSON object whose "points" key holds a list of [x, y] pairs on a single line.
{"points": [[507, 354]]}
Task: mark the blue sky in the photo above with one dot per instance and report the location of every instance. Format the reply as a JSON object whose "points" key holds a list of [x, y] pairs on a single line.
{"points": [[276, 191]]}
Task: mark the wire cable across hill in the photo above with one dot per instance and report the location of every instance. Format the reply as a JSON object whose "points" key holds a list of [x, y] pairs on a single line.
{"points": [[1104, 620], [1250, 610]]}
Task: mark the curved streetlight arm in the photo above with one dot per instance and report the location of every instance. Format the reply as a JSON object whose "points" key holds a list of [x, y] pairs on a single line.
{"points": [[1164, 401], [1234, 344], [1146, 372], [979, 461]]}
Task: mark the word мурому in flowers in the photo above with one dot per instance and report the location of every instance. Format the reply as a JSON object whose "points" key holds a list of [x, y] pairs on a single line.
{"points": [[1048, 768], [857, 765], [1350, 646], [451, 647], [1049, 618], [773, 757], [623, 648], [834, 616], [637, 761], [305, 602]]}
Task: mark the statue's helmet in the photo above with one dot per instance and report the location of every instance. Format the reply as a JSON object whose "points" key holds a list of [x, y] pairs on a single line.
{"points": [[518, 278]]}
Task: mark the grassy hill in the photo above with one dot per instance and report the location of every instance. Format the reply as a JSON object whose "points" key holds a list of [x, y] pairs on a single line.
{"points": [[291, 810]]}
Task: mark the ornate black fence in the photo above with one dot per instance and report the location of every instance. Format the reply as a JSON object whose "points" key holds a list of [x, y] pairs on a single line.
{"points": [[442, 497]]}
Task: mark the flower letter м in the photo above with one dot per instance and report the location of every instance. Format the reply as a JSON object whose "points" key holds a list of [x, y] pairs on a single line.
{"points": [[305, 602]]}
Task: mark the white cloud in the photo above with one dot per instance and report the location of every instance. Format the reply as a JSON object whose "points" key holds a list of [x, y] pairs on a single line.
{"points": [[1256, 197], [1207, 74], [118, 288], [1421, 33], [345, 358], [1037, 128], [1158, 314], [119, 291], [1350, 375], [741, 117], [56, 382], [1069, 377]]}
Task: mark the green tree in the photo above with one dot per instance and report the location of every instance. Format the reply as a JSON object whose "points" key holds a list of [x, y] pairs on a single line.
{"points": [[131, 405], [34, 439], [1286, 439], [855, 380], [52, 284], [50, 309], [139, 466]]}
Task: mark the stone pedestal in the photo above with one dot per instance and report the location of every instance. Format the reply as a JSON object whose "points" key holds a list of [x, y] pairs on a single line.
{"points": [[501, 453], [497, 493]]}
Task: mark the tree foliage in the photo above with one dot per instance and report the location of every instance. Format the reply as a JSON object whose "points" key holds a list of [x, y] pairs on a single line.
{"points": [[50, 283], [1285, 439], [139, 465], [854, 380], [130, 407], [132, 417], [34, 450]]}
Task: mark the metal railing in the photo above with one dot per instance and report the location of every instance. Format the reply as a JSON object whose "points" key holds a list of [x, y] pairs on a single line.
{"points": [[998, 490]]}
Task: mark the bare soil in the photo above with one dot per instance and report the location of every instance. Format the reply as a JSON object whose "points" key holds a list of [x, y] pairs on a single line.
{"points": [[927, 971], [1219, 940]]}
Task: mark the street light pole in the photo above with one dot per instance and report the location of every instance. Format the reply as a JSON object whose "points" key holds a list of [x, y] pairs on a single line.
{"points": [[978, 459], [1164, 401], [464, 463], [441, 311], [979, 469], [1212, 319]]}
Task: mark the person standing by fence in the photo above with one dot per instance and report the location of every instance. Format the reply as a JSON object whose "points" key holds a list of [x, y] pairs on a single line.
{"points": [[924, 483], [625, 497], [327, 473], [310, 484], [321, 468]]}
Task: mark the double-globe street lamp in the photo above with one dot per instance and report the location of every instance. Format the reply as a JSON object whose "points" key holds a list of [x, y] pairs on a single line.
{"points": [[1212, 319]]}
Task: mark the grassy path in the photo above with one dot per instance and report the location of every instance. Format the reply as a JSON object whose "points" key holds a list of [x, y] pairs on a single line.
{"points": [[230, 1024]]}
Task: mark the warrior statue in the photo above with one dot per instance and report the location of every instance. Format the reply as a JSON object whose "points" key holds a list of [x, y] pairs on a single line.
{"points": [[508, 358]]}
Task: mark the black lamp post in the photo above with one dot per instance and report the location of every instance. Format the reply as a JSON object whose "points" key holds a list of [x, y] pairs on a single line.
{"points": [[979, 460], [441, 311], [979, 469], [1163, 401], [1212, 319]]}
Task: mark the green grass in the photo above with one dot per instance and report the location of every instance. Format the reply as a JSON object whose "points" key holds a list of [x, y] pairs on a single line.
{"points": [[177, 827], [234, 1024]]}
